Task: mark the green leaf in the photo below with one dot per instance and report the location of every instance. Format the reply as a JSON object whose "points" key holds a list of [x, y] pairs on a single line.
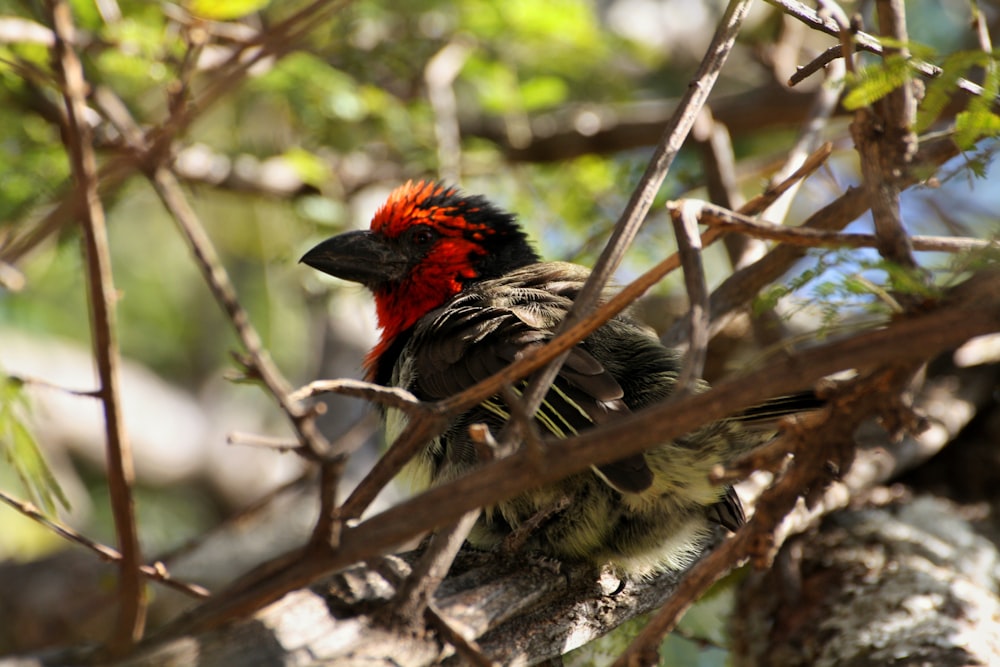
{"points": [[874, 82], [225, 10], [973, 125], [941, 90], [21, 450]]}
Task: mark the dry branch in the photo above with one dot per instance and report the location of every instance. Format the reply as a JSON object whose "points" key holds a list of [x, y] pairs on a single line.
{"points": [[689, 248], [717, 216], [632, 217], [740, 288], [157, 572], [102, 297]]}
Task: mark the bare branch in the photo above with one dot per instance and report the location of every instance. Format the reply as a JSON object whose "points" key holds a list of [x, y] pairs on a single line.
{"points": [[864, 42], [824, 105], [156, 572], [415, 595], [257, 361], [719, 163], [742, 286], [819, 62], [685, 220], [717, 216], [102, 297], [393, 397], [642, 197], [419, 430]]}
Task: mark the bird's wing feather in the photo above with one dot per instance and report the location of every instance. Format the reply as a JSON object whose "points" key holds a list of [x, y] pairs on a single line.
{"points": [[481, 331]]}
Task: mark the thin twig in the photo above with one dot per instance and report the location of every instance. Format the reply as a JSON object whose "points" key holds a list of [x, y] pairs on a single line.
{"points": [[642, 197], [417, 591], [824, 105], [39, 382], [156, 572], [738, 289], [257, 360], [392, 397], [863, 40], [846, 31], [131, 591], [685, 222], [719, 164], [521, 420], [326, 532], [768, 327], [803, 72], [717, 216], [263, 441], [982, 31], [276, 40], [419, 429]]}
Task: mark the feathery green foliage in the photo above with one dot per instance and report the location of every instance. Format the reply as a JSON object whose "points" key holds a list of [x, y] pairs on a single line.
{"points": [[21, 450]]}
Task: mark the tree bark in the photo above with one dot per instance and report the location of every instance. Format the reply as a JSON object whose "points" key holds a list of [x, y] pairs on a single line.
{"points": [[908, 585]]}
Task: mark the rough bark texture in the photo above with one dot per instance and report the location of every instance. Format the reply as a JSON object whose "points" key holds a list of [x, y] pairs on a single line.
{"points": [[516, 612], [908, 585]]}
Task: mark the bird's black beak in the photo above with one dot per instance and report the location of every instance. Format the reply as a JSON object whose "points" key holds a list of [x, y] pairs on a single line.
{"points": [[358, 256]]}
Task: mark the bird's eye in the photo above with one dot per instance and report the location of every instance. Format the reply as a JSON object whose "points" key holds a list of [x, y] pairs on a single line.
{"points": [[421, 235]]}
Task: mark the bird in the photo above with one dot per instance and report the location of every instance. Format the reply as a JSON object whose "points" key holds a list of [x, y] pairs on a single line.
{"points": [[460, 293]]}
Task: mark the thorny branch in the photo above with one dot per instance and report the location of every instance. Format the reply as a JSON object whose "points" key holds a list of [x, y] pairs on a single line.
{"points": [[101, 291]]}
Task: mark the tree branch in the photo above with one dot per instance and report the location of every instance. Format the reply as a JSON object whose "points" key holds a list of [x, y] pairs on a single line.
{"points": [[719, 217], [642, 197], [102, 297], [156, 572]]}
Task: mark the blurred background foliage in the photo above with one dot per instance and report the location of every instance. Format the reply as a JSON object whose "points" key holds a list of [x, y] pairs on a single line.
{"points": [[308, 146]]}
